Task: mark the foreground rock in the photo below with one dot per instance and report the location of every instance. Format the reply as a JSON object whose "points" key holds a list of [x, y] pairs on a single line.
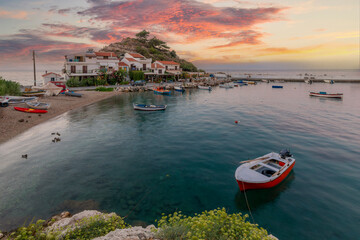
{"points": [[134, 233]]}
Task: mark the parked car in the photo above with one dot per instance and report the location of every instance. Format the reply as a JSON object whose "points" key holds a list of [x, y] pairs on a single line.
{"points": [[138, 83]]}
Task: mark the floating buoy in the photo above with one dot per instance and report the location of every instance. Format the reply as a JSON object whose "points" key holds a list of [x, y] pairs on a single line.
{"points": [[236, 122]]}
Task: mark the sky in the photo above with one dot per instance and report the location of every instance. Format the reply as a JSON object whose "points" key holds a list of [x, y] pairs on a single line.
{"points": [[213, 34]]}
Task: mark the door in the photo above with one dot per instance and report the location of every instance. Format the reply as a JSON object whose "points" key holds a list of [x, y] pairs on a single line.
{"points": [[144, 67], [73, 69], [84, 69]]}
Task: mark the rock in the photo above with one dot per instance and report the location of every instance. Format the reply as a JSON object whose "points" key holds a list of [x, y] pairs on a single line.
{"points": [[65, 214], [134, 233], [68, 223], [1, 235], [21, 120]]}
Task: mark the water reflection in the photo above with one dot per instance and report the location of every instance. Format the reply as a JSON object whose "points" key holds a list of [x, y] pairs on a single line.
{"points": [[260, 197]]}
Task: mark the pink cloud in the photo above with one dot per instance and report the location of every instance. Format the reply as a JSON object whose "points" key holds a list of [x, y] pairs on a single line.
{"points": [[13, 14]]}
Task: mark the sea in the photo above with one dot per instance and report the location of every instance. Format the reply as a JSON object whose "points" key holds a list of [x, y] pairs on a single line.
{"points": [[142, 164]]}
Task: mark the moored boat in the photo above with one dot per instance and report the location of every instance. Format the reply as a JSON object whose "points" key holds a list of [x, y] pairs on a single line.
{"points": [[38, 105], [161, 90], [30, 110], [326, 95], [144, 107], [226, 86], [251, 82], [16, 99], [205, 87], [179, 89], [264, 172], [329, 81], [276, 86]]}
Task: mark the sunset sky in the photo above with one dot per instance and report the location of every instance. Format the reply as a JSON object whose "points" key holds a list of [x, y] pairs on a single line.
{"points": [[214, 34]]}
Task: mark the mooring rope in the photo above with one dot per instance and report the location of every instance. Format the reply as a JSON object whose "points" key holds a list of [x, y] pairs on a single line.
{"points": [[247, 203]]}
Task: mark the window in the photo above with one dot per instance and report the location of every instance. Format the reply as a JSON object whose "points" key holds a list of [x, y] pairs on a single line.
{"points": [[175, 67], [144, 67], [73, 69], [52, 79], [166, 67], [84, 69], [160, 71], [106, 57]]}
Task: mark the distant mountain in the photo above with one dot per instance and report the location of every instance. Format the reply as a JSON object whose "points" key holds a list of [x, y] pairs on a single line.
{"points": [[150, 48]]}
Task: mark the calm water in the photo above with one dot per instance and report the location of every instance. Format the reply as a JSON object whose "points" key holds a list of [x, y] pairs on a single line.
{"points": [[142, 164]]}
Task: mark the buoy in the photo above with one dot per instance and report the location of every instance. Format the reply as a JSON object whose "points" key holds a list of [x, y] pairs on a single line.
{"points": [[236, 122]]}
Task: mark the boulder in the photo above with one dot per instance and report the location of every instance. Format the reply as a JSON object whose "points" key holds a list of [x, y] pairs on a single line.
{"points": [[134, 233]]}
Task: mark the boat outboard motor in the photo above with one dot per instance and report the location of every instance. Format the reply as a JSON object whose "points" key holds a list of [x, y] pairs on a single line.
{"points": [[285, 153]]}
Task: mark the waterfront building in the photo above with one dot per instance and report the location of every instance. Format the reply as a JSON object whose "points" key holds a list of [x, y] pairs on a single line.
{"points": [[89, 64], [138, 62], [51, 77]]}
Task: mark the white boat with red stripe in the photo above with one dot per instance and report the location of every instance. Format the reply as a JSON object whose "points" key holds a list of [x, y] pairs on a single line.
{"points": [[326, 95], [264, 172]]}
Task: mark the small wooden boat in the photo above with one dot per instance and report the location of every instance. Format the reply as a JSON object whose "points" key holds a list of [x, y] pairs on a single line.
{"points": [[179, 89], [16, 99], [264, 172], [162, 91], [308, 81], [265, 80], [143, 107], [226, 86], [326, 95], [73, 94], [205, 88], [329, 81], [38, 105], [275, 86], [30, 110], [251, 82]]}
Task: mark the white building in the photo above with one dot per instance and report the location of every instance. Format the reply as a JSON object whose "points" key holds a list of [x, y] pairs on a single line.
{"points": [[89, 63], [51, 77], [136, 61]]}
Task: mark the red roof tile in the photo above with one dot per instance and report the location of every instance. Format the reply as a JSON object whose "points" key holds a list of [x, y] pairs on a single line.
{"points": [[157, 66], [136, 55], [131, 59], [168, 63], [105, 54], [123, 64], [46, 74]]}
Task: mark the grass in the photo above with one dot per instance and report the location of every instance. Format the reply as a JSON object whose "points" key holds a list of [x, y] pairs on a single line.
{"points": [[104, 89], [9, 88]]}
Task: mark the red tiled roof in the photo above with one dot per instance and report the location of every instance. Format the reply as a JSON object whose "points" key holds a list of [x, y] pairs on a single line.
{"points": [[168, 63], [123, 64], [105, 54], [157, 66], [131, 59], [136, 55], [46, 74]]}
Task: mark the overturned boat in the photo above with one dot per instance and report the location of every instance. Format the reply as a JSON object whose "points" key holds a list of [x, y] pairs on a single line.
{"points": [[264, 172], [38, 105], [326, 95]]}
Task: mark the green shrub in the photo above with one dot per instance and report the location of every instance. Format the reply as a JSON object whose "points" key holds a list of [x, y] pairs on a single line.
{"points": [[104, 89], [96, 226], [124, 83], [209, 225], [73, 82], [136, 75], [100, 80], [31, 232], [111, 80], [9, 88]]}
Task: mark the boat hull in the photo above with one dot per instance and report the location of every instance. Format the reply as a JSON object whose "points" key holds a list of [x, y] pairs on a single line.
{"points": [[30, 110], [162, 92], [312, 94], [277, 86], [141, 107], [247, 185]]}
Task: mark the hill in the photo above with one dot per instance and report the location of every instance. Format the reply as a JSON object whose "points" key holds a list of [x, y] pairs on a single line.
{"points": [[150, 48]]}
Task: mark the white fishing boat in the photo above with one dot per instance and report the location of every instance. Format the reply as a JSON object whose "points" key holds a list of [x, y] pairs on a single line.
{"points": [[16, 99], [205, 87], [329, 81], [264, 172], [226, 85], [38, 105], [179, 89]]}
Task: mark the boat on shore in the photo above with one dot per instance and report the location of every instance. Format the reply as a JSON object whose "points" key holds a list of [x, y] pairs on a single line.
{"points": [[251, 82], [38, 105], [162, 91], [265, 80], [73, 94], [179, 89], [308, 81], [30, 110], [205, 88], [277, 86], [264, 172], [144, 107], [326, 95], [16, 99]]}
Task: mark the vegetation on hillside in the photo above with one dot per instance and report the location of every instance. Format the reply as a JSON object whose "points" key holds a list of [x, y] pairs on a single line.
{"points": [[9, 88], [150, 48], [210, 225]]}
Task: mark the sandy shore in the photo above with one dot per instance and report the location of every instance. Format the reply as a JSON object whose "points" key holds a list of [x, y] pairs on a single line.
{"points": [[13, 122]]}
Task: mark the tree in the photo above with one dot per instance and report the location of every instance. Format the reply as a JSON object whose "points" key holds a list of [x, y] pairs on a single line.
{"points": [[120, 75], [143, 35], [173, 54], [158, 44]]}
